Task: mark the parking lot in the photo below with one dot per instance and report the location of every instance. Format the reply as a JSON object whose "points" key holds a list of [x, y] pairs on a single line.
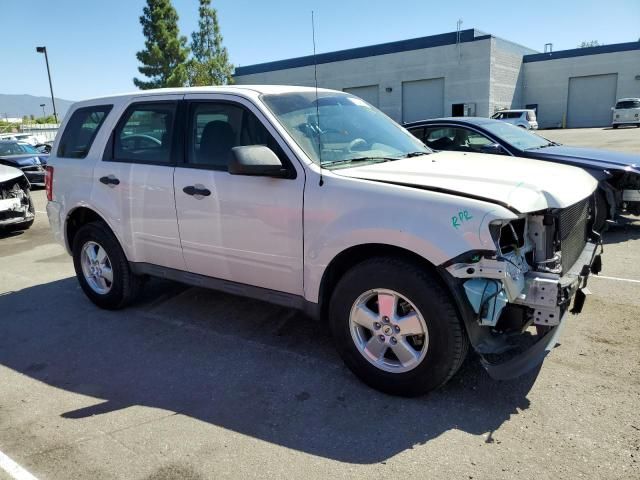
{"points": [[194, 384]]}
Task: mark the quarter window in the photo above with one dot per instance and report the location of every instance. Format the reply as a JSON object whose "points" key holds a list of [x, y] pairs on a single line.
{"points": [[144, 134], [81, 130]]}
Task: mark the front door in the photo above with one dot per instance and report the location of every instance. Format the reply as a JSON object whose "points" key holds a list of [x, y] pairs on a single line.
{"points": [[240, 228]]}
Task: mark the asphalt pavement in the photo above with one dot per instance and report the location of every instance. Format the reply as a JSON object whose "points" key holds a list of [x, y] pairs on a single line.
{"points": [[195, 384]]}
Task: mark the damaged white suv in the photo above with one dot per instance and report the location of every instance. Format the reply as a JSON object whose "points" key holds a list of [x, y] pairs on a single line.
{"points": [[319, 202]]}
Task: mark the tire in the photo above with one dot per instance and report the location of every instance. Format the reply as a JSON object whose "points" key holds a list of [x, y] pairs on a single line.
{"points": [[446, 340], [124, 286], [601, 211], [615, 126]]}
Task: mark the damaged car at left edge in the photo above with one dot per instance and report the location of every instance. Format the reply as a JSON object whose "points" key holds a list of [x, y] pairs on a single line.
{"points": [[16, 206]]}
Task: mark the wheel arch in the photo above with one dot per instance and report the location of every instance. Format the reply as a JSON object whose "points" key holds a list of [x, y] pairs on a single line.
{"points": [[356, 254], [79, 216]]}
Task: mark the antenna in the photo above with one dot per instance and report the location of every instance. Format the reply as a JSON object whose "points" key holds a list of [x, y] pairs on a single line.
{"points": [[315, 76]]}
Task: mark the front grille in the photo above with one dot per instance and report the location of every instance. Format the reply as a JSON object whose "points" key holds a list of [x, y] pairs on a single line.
{"points": [[573, 232]]}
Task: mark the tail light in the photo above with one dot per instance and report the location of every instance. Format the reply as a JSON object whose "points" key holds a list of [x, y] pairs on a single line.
{"points": [[48, 182]]}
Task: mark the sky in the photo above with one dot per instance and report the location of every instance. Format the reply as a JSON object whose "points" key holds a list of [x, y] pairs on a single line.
{"points": [[92, 43]]}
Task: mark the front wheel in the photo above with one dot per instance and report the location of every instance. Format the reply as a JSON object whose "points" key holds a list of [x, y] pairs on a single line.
{"points": [[396, 328], [102, 268]]}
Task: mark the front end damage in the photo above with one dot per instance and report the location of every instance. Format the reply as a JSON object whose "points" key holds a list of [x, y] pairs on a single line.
{"points": [[514, 300], [16, 206]]}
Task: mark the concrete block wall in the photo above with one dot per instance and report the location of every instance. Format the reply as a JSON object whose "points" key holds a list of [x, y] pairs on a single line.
{"points": [[506, 75], [547, 82], [466, 78]]}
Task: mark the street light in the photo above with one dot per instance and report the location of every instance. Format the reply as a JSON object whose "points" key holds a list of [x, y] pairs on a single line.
{"points": [[43, 113], [46, 59]]}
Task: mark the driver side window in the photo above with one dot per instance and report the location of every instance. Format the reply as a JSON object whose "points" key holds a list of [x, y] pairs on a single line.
{"points": [[216, 127]]}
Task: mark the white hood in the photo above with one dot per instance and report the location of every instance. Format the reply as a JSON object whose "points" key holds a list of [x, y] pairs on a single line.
{"points": [[521, 184], [9, 173]]}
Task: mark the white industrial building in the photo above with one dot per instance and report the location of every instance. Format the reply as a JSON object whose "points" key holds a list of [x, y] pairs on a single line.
{"points": [[470, 73]]}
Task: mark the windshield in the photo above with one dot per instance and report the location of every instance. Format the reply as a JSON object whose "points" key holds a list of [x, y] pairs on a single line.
{"points": [[14, 148], [348, 129], [628, 104], [516, 136]]}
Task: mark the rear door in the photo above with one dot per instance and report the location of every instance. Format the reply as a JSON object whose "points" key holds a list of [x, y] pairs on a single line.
{"points": [[134, 181], [240, 228]]}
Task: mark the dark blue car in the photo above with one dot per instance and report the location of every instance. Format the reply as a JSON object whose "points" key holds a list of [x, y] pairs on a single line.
{"points": [[618, 173], [24, 157]]}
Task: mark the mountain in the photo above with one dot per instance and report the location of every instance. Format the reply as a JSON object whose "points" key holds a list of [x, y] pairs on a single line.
{"points": [[20, 105]]}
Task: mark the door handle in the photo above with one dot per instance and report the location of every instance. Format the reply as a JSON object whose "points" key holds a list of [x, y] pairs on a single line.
{"points": [[197, 191], [110, 180]]}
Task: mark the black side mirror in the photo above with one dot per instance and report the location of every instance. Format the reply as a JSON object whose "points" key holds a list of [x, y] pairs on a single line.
{"points": [[256, 160], [493, 148]]}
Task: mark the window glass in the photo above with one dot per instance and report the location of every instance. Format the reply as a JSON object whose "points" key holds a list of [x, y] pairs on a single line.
{"points": [[333, 128], [81, 130], [15, 148], [457, 139], [144, 134], [216, 128], [628, 104], [418, 133]]}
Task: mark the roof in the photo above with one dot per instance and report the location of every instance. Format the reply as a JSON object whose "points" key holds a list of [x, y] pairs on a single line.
{"points": [[246, 90], [580, 52], [460, 120], [516, 110], [469, 35]]}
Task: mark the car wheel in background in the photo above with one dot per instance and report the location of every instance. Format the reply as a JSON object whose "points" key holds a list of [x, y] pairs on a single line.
{"points": [[396, 328]]}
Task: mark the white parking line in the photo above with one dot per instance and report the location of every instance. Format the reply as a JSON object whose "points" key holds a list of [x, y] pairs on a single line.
{"points": [[38, 211], [14, 470], [616, 279]]}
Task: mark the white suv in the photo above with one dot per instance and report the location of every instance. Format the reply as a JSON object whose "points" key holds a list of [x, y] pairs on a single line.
{"points": [[318, 201], [520, 118]]}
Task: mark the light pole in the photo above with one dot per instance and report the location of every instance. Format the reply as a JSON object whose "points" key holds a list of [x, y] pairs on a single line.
{"points": [[43, 112], [46, 59]]}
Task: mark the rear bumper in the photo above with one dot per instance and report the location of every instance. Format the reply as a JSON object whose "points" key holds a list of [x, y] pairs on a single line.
{"points": [[54, 212]]}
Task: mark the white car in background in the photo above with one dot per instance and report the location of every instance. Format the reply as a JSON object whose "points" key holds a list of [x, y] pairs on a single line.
{"points": [[519, 118], [626, 112], [21, 137]]}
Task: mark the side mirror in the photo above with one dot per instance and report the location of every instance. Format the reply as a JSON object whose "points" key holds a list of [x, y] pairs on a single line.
{"points": [[493, 148], [256, 160]]}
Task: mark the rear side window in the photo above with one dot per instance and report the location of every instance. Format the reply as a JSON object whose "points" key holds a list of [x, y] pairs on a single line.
{"points": [[81, 130], [144, 133]]}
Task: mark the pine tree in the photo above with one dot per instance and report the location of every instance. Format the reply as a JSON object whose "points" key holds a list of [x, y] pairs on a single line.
{"points": [[210, 63], [165, 54]]}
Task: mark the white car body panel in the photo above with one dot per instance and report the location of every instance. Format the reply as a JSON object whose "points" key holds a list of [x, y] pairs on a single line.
{"points": [[143, 202], [9, 173], [518, 184], [258, 241], [249, 229]]}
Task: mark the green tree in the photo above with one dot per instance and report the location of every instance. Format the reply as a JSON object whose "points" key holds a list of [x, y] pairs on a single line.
{"points": [[164, 57], [210, 63]]}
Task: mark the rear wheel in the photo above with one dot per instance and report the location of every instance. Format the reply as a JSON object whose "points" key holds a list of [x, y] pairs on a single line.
{"points": [[396, 328], [615, 126], [102, 268]]}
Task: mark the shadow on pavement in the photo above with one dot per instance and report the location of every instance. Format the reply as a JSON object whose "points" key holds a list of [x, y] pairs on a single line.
{"points": [[240, 364], [626, 228]]}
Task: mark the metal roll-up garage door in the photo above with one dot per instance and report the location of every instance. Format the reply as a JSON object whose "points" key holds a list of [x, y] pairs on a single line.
{"points": [[590, 100], [369, 93], [422, 99]]}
